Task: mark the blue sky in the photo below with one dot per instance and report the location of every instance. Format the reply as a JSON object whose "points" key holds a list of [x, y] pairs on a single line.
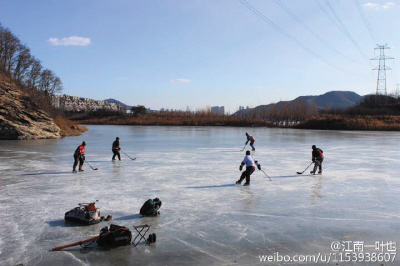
{"points": [[199, 53]]}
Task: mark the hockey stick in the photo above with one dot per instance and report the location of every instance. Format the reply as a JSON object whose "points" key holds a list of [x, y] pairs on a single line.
{"points": [[243, 147], [75, 244], [129, 156], [91, 166], [266, 175], [299, 173], [92, 239]]}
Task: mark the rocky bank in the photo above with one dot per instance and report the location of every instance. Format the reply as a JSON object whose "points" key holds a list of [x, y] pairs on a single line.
{"points": [[20, 119]]}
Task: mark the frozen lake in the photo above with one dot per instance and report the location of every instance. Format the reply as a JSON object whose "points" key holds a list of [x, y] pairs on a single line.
{"points": [[205, 219]]}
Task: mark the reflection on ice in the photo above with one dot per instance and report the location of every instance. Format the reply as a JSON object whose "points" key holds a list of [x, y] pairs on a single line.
{"points": [[205, 218]]}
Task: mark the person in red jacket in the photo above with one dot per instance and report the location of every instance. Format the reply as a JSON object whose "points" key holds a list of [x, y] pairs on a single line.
{"points": [[79, 156], [252, 140], [317, 156]]}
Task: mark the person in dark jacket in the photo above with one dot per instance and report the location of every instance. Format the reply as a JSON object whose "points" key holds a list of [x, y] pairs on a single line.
{"points": [[317, 156], [115, 149], [79, 156]]}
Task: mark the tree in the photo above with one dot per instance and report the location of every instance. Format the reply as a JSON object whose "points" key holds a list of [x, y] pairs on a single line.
{"points": [[32, 78], [138, 110], [22, 62], [18, 63], [49, 84], [56, 86], [8, 48]]}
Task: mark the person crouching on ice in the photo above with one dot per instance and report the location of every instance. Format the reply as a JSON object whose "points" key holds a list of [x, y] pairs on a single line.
{"points": [[317, 156], [250, 163], [115, 149], [79, 155], [252, 140]]}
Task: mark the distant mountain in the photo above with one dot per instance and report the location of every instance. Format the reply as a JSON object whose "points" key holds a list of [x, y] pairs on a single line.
{"points": [[118, 103], [332, 99], [329, 100]]}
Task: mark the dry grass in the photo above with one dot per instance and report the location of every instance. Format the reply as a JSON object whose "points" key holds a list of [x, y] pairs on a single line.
{"points": [[69, 128], [324, 121], [177, 119], [343, 122]]}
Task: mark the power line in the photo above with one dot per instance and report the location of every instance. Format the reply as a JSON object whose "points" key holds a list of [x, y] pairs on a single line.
{"points": [[343, 28], [328, 15], [259, 14], [366, 22], [287, 10], [336, 22]]}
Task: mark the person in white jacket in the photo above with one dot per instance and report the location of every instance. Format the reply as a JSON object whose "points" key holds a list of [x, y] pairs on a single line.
{"points": [[251, 164]]}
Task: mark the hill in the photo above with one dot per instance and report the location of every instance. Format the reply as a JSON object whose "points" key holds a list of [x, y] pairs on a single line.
{"points": [[20, 118], [329, 100], [111, 100], [332, 99]]}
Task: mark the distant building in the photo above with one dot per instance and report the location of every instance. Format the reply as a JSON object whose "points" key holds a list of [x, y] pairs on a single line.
{"points": [[73, 103], [218, 110]]}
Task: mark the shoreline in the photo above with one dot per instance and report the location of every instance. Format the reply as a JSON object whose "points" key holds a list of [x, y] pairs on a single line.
{"points": [[321, 122]]}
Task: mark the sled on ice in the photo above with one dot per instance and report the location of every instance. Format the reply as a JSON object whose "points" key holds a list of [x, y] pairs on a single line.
{"points": [[85, 213]]}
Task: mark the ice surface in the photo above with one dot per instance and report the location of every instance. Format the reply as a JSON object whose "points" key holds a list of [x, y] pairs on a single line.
{"points": [[205, 219]]}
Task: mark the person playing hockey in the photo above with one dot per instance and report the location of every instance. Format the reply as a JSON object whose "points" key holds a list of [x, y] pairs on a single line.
{"points": [[79, 155], [115, 149], [317, 156], [252, 140], [250, 163]]}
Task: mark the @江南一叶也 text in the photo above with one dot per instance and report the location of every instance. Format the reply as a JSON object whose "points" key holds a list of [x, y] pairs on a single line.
{"points": [[343, 251]]}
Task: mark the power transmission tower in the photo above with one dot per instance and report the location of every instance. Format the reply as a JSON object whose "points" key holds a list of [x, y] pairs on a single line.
{"points": [[381, 83]]}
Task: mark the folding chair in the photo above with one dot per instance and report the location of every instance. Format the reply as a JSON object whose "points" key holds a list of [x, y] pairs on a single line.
{"points": [[141, 228]]}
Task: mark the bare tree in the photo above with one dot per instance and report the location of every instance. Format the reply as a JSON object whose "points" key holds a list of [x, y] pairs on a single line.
{"points": [[271, 114], [16, 60], [263, 113], [22, 62], [33, 76], [3, 46], [8, 50], [56, 86], [49, 83]]}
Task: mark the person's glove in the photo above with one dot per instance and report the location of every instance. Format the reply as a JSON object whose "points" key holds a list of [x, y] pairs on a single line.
{"points": [[240, 167], [313, 160], [259, 167]]}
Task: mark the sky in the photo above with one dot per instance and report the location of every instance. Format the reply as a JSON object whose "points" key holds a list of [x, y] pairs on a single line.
{"points": [[177, 54]]}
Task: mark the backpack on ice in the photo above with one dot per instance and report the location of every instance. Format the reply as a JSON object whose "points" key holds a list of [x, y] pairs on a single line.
{"points": [[115, 236], [150, 207]]}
